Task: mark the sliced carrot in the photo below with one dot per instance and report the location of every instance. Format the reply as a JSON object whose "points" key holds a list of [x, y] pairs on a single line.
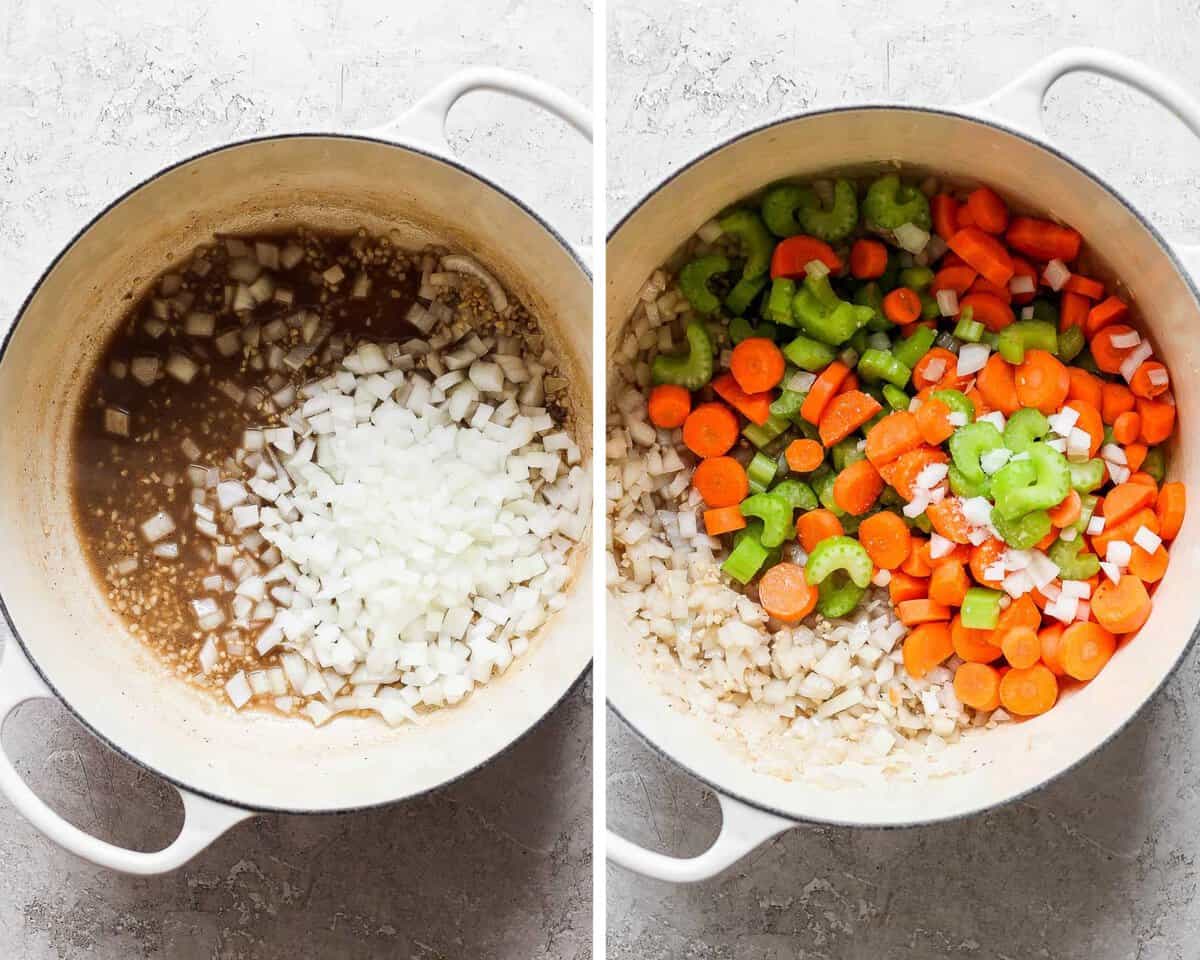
{"points": [[926, 646], [792, 255], [721, 520], [1022, 612], [960, 554], [974, 646], [1043, 240], [1050, 639], [1021, 647], [1158, 420], [913, 612], [823, 390], [948, 584], [978, 686], [1086, 648], [844, 414], [1116, 400], [785, 594], [944, 210], [1120, 607], [1042, 382], [817, 525], [957, 278], [850, 383], [1068, 511], [1124, 500], [917, 564], [893, 436], [857, 487], [1046, 541], [1104, 314], [1107, 356], [1028, 692], [1150, 380], [984, 285], [757, 364], [1135, 453], [668, 406], [902, 305], [868, 259], [903, 472], [983, 252], [904, 586], [982, 407], [1073, 311], [998, 385], [1144, 478], [804, 456], [946, 517], [987, 210], [922, 378], [1171, 506], [755, 407], [721, 481], [1148, 567], [1085, 386], [964, 218], [1084, 286], [988, 309], [1090, 422], [886, 538], [983, 556], [710, 430], [1126, 427], [1124, 529]]}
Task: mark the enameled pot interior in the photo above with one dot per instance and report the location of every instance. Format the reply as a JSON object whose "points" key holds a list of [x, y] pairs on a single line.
{"points": [[1018, 757], [108, 678]]}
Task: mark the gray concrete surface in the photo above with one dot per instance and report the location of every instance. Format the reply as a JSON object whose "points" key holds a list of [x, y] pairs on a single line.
{"points": [[94, 97], [1102, 864]]}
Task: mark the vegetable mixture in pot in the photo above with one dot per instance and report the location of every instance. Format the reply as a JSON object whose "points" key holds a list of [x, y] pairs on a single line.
{"points": [[325, 474], [840, 389]]}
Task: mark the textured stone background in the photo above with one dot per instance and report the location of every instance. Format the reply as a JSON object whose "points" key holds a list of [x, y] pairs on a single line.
{"points": [[1101, 865], [94, 97]]}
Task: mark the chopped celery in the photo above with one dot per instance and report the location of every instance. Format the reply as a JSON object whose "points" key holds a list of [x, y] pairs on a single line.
{"points": [[981, 608]]}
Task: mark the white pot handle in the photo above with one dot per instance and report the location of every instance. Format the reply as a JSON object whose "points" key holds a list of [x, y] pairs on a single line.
{"points": [[203, 820], [1019, 103], [742, 829]]}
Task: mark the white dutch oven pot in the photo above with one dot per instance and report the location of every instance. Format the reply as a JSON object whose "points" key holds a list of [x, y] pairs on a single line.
{"points": [[228, 766], [1001, 142]]}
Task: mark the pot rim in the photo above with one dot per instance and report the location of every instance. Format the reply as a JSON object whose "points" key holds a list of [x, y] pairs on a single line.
{"points": [[1167, 250], [429, 154]]}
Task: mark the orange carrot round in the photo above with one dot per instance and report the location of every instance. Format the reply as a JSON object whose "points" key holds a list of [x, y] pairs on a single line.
{"points": [[1172, 503], [978, 686], [1107, 356], [998, 385], [989, 310], [1126, 427], [721, 481], [987, 210], [710, 430], [868, 259], [1021, 647], [1050, 640], [721, 520], [926, 646], [1084, 286], [1150, 380], [817, 525], [844, 414], [944, 211], [921, 377], [1067, 512], [886, 538], [1148, 567], [824, 388], [757, 364], [1121, 607], [1030, 691], [1085, 386], [973, 645], [857, 487], [957, 278], [1124, 500], [948, 584], [1113, 310], [1042, 382], [933, 420], [946, 517], [804, 456], [894, 435], [1116, 400], [903, 587], [668, 406], [913, 612], [785, 594], [1073, 311], [1086, 648], [984, 253], [902, 305], [1158, 420], [984, 556]]}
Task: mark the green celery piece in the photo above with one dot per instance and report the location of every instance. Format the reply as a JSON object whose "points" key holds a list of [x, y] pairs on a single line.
{"points": [[796, 492], [1072, 562], [1024, 335], [694, 278], [778, 305], [1024, 428], [1039, 483], [968, 444], [1089, 475], [890, 204], [838, 595], [981, 608], [775, 514], [916, 278], [762, 470], [822, 480], [839, 553], [1070, 343], [809, 354], [846, 452], [869, 295], [788, 403], [896, 398], [756, 244], [1046, 312], [1024, 532], [693, 369], [957, 401], [761, 434], [969, 330], [743, 293], [911, 349], [745, 559], [740, 329], [824, 316], [875, 365], [1155, 464]]}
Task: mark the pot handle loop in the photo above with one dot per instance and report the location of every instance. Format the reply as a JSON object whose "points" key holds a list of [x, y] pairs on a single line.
{"points": [[425, 121], [1020, 102], [743, 828], [203, 820]]}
